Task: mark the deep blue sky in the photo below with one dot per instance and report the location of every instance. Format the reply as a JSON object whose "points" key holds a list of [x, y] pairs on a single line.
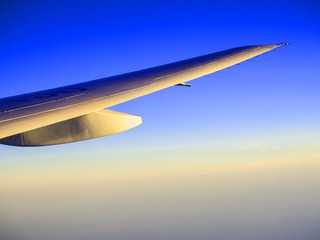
{"points": [[47, 44]]}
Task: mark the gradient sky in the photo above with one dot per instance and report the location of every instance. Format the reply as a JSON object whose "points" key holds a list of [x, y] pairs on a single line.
{"points": [[236, 156]]}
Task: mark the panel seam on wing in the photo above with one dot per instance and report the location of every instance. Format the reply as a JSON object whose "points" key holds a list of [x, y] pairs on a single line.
{"points": [[97, 99], [39, 104]]}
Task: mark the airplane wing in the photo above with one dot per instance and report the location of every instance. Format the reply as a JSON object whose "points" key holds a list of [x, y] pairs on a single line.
{"points": [[77, 112]]}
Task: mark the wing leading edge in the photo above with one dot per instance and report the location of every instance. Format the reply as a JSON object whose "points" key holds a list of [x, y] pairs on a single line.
{"points": [[27, 112]]}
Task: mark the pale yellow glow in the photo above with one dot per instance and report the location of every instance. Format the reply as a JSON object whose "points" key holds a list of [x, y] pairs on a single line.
{"points": [[213, 159]]}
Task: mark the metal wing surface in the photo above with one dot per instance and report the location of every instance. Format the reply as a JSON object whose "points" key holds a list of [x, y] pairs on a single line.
{"points": [[32, 111]]}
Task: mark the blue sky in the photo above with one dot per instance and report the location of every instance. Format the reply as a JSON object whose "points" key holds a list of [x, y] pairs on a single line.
{"points": [[260, 117], [46, 44]]}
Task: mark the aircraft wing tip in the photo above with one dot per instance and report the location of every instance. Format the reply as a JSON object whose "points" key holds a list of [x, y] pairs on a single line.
{"points": [[273, 45]]}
